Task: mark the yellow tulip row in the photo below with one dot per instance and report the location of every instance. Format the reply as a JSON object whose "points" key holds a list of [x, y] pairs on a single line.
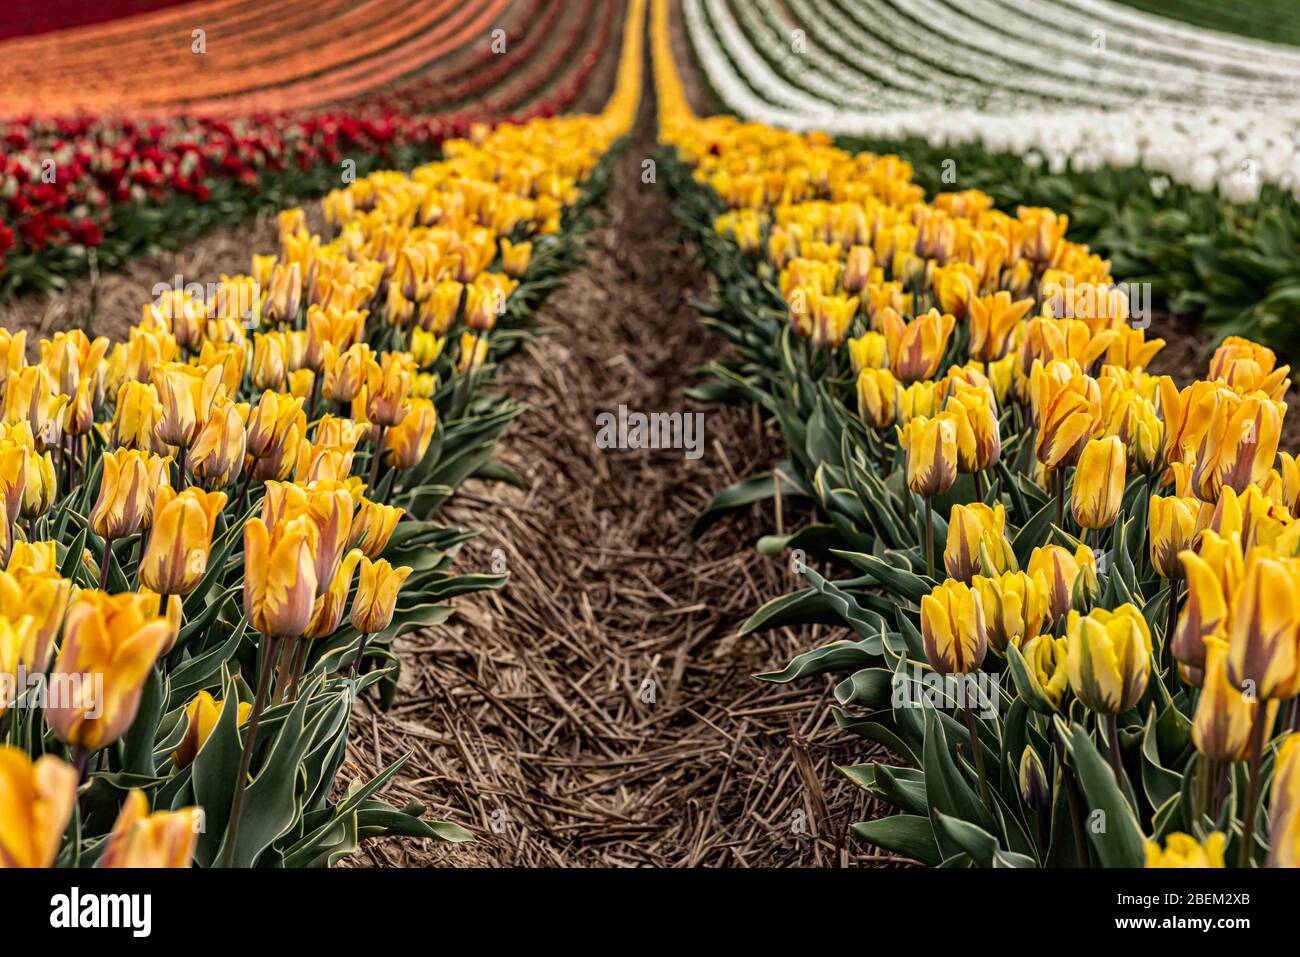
{"points": [[254, 409], [851, 243]]}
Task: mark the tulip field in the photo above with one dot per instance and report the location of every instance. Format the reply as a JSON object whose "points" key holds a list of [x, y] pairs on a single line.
{"points": [[965, 531]]}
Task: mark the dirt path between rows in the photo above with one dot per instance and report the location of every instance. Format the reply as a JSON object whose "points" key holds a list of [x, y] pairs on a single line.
{"points": [[598, 710]]}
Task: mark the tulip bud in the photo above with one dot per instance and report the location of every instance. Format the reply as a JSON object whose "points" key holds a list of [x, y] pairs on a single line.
{"points": [[373, 527], [270, 422], [176, 557], [327, 613], [185, 396], [377, 588], [1284, 806], [388, 388], [1182, 850], [1015, 607], [280, 576], [868, 351], [41, 487], [344, 373], [1262, 650], [135, 417], [1109, 657], [1047, 661], [515, 257], [968, 526], [37, 802], [161, 839], [1174, 524], [117, 639], [931, 446], [858, 264], [877, 396], [217, 456], [1059, 570], [201, 716], [284, 295], [123, 490], [1069, 411], [1224, 715], [1098, 488], [953, 629], [43, 597], [1032, 779], [408, 441], [473, 352], [979, 443], [1212, 580]]}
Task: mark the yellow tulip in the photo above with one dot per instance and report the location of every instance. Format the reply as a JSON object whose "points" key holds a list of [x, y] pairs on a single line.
{"points": [[1213, 577], [408, 441], [953, 629], [284, 295], [377, 588], [1246, 366], [515, 257], [163, 839], [185, 395], [33, 557], [473, 352], [344, 373], [931, 446], [373, 527], [280, 576], [1186, 416], [31, 397], [1284, 806], [36, 801], [176, 557], [17, 653], [135, 417], [438, 312], [327, 612], [1015, 607], [1263, 657], [1060, 570], [878, 393], [42, 596], [979, 442], [831, 317], [918, 400], [858, 264], [201, 716], [916, 348], [1098, 488], [41, 487], [1109, 657], [1182, 850], [1224, 716], [216, 458], [1174, 524], [1240, 444], [116, 639], [1048, 661], [123, 491], [1069, 412], [270, 422], [969, 526], [992, 320], [388, 387]]}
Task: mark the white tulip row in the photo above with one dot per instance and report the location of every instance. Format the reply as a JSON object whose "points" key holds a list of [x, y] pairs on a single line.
{"points": [[1102, 87]]}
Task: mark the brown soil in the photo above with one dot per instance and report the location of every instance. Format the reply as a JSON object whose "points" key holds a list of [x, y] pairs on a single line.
{"points": [[529, 715]]}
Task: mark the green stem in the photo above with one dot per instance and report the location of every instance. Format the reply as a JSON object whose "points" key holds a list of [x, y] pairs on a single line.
{"points": [[246, 757], [1246, 857], [929, 537], [103, 565], [977, 754]]}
